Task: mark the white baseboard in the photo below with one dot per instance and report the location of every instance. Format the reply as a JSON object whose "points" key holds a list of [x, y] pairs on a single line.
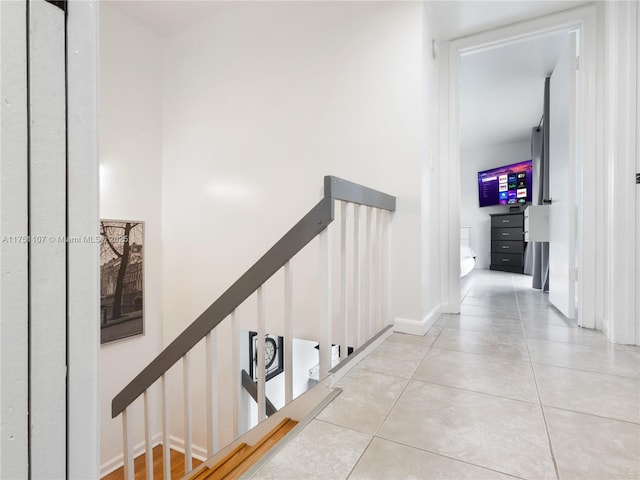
{"points": [[198, 452], [177, 444], [417, 327], [116, 462]]}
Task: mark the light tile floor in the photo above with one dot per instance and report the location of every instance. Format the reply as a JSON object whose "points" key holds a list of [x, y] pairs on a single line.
{"points": [[507, 389]]}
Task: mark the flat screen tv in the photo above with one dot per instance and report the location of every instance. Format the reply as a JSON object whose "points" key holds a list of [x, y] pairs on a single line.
{"points": [[507, 185]]}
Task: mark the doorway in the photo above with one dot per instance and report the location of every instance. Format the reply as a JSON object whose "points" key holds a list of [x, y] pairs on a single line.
{"points": [[577, 20], [502, 105]]}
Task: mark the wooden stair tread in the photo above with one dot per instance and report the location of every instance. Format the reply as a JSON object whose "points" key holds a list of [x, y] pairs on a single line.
{"points": [[262, 447], [243, 457], [237, 454], [223, 469]]}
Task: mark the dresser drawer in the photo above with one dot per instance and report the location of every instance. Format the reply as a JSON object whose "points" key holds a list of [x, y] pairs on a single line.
{"points": [[507, 234], [506, 259], [506, 247], [507, 221]]}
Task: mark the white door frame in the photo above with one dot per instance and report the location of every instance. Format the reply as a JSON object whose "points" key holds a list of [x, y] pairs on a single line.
{"points": [[637, 242], [49, 376], [584, 20], [83, 215], [620, 22]]}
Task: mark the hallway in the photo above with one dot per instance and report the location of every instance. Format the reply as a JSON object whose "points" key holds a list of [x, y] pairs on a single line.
{"points": [[507, 389]]}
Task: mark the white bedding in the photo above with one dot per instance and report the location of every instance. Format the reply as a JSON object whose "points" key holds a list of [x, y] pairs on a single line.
{"points": [[467, 260]]}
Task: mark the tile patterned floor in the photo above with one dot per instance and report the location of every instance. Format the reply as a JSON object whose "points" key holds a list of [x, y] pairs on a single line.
{"points": [[507, 389]]}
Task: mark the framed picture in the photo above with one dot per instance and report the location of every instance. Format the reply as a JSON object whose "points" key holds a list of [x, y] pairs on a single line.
{"points": [[121, 279], [273, 353]]}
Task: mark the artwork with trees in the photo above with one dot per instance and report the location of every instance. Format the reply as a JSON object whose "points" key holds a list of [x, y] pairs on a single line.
{"points": [[121, 279]]}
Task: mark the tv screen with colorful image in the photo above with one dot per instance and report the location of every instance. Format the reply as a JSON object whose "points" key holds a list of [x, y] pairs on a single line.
{"points": [[508, 185]]}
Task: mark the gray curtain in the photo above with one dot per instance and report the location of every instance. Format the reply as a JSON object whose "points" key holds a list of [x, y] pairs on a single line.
{"points": [[536, 261]]}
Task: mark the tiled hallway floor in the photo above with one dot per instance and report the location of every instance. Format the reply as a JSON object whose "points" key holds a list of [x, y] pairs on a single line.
{"points": [[507, 389]]}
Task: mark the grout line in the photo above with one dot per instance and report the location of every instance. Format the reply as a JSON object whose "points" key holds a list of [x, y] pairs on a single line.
{"points": [[535, 380], [487, 355], [388, 413], [433, 452], [375, 434], [360, 456], [575, 369], [389, 374], [592, 415], [481, 331], [428, 382]]}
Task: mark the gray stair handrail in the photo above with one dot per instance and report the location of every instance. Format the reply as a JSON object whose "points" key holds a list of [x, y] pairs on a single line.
{"points": [[252, 389], [314, 222]]}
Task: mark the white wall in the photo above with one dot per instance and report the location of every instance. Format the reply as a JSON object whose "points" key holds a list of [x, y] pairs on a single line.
{"points": [[472, 161], [130, 189], [260, 102]]}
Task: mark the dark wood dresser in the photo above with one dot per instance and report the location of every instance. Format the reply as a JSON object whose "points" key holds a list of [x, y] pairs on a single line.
{"points": [[507, 242]]}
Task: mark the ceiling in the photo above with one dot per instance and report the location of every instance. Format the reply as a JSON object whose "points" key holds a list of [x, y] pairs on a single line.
{"points": [[454, 18], [502, 90], [457, 19], [166, 17]]}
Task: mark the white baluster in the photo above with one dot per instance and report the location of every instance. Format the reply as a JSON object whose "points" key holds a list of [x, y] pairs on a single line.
{"points": [[235, 370], [343, 282], [325, 303], [367, 276], [374, 271], [288, 333], [384, 276], [166, 435], [378, 275], [211, 392], [147, 436], [188, 436], [262, 413], [357, 320], [128, 447]]}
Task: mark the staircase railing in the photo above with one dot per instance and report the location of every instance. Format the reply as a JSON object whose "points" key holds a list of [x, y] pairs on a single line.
{"points": [[363, 312], [252, 389]]}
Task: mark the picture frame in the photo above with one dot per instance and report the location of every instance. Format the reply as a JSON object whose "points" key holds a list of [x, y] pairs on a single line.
{"points": [[121, 279], [274, 353]]}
